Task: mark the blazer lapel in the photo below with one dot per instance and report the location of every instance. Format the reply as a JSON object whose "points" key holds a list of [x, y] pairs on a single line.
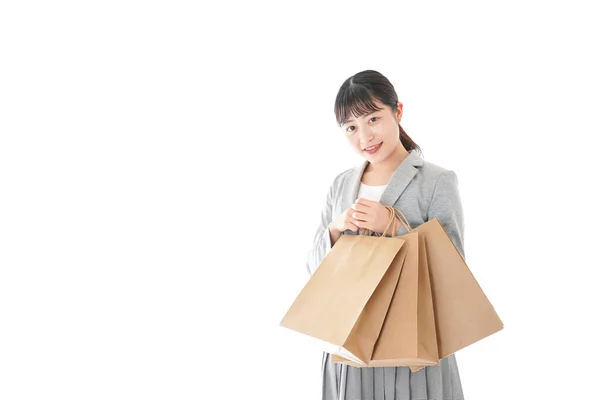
{"points": [[399, 180], [401, 177]]}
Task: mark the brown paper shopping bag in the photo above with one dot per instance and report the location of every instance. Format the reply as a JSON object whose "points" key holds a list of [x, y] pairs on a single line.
{"points": [[408, 335], [344, 303], [463, 313]]}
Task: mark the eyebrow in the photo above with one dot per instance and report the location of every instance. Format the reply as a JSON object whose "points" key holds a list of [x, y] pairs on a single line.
{"points": [[372, 112]]}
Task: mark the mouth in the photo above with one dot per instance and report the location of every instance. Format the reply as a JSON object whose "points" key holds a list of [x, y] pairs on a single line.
{"points": [[373, 149]]}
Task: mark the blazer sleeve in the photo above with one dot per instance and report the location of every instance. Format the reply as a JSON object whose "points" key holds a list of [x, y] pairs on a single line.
{"points": [[446, 206], [322, 241]]}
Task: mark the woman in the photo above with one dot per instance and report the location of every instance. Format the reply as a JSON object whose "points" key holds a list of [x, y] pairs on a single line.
{"points": [[368, 111]]}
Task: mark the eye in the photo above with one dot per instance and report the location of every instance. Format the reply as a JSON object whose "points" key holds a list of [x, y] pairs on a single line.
{"points": [[352, 126]]}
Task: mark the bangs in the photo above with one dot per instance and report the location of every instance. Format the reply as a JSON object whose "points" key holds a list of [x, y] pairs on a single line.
{"points": [[354, 101]]}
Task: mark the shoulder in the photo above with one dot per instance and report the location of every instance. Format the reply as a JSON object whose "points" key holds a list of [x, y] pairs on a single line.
{"points": [[340, 177], [432, 170], [431, 173]]}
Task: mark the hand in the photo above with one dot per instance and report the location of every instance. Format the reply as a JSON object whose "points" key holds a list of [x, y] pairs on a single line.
{"points": [[343, 222], [372, 215]]}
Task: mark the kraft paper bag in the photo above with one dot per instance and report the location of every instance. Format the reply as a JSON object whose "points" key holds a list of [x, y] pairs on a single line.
{"points": [[343, 304], [463, 313], [408, 335]]}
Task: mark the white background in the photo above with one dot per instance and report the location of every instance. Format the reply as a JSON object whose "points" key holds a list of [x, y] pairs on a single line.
{"points": [[163, 166]]}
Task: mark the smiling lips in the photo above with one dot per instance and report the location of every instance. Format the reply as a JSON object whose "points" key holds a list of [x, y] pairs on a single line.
{"points": [[373, 149]]}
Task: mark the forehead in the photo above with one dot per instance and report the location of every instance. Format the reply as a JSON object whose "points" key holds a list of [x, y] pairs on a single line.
{"points": [[363, 111]]}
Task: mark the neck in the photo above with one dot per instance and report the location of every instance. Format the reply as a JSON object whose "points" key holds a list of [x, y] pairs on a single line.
{"points": [[391, 162]]}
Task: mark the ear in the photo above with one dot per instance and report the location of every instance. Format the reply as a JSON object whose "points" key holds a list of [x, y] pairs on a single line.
{"points": [[399, 111]]}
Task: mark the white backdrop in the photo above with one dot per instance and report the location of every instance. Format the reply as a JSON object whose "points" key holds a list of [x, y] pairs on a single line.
{"points": [[163, 166]]}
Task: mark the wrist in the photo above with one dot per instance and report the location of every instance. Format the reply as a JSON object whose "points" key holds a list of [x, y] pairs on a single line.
{"points": [[334, 234], [332, 229], [398, 224]]}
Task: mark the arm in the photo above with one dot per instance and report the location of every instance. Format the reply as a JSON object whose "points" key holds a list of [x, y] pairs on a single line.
{"points": [[322, 240], [446, 206]]}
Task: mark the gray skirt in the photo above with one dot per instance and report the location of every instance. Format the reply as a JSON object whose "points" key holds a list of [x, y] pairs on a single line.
{"points": [[345, 382]]}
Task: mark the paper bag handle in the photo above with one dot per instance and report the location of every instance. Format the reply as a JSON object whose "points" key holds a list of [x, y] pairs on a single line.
{"points": [[394, 212], [402, 218]]}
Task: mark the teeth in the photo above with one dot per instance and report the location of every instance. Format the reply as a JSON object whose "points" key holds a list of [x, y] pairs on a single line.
{"points": [[372, 147]]}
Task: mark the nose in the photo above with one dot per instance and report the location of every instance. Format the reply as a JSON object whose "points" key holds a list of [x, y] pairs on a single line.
{"points": [[366, 136]]}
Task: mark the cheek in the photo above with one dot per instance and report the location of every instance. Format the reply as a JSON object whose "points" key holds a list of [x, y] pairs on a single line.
{"points": [[390, 134], [353, 141]]}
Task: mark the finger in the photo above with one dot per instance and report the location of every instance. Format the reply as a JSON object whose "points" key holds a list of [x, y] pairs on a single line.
{"points": [[365, 224], [361, 217], [350, 220], [351, 226], [352, 214], [365, 202], [360, 207]]}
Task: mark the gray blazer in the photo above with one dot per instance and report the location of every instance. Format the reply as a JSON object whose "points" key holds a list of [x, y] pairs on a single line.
{"points": [[420, 189]]}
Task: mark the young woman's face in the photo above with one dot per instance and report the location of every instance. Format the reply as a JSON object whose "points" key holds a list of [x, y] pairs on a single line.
{"points": [[376, 135]]}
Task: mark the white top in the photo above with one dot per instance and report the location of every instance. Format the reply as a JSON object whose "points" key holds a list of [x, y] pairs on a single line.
{"points": [[371, 192]]}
